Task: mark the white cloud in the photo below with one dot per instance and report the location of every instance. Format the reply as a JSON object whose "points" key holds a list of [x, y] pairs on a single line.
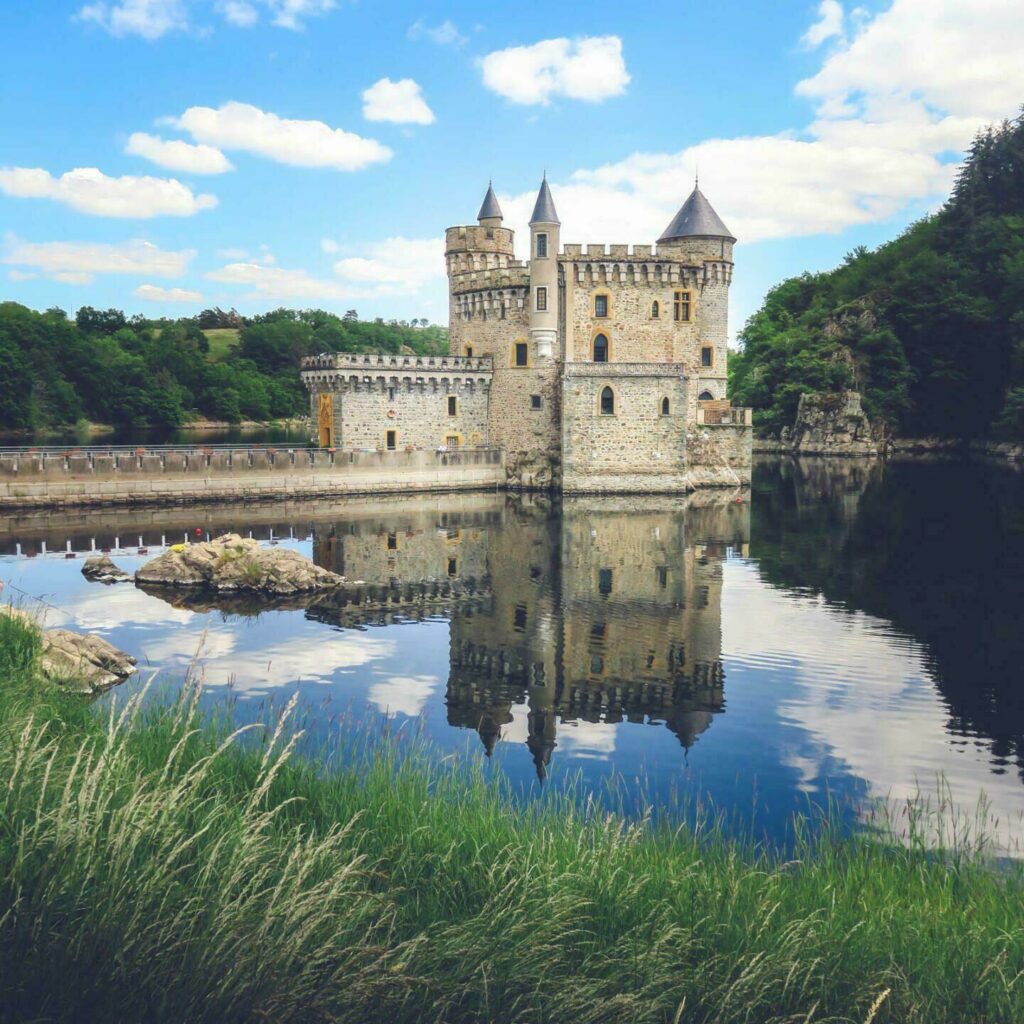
{"points": [[398, 102], [828, 26], [279, 283], [445, 34], [238, 12], [289, 13], [78, 262], [176, 155], [150, 19], [329, 245], [22, 275], [155, 293], [297, 143], [590, 69], [89, 190], [403, 695], [396, 264]]}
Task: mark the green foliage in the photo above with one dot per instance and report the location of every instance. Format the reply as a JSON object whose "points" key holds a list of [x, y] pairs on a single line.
{"points": [[930, 326], [109, 369]]}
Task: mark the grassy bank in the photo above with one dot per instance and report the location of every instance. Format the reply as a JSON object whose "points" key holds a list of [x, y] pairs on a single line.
{"points": [[152, 869]]}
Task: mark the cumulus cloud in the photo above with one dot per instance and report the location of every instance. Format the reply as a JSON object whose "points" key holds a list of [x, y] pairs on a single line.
{"points": [[79, 262], [394, 264], [89, 190], [150, 19], [399, 102], [176, 155], [241, 126], [590, 69], [403, 695], [893, 103], [445, 34], [281, 283], [828, 26], [155, 293]]}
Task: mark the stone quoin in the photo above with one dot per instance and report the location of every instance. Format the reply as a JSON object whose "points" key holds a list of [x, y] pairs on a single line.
{"points": [[592, 368]]}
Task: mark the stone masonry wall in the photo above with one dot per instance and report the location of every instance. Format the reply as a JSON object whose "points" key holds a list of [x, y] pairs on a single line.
{"points": [[719, 455], [636, 448]]}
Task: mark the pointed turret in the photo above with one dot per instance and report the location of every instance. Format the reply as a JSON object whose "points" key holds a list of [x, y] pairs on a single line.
{"points": [[544, 209], [490, 211], [696, 219]]}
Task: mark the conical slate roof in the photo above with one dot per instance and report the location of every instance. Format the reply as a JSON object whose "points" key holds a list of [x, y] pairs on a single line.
{"points": [[490, 206], [696, 217], [544, 210]]}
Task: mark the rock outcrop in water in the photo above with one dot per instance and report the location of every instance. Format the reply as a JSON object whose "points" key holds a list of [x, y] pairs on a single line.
{"points": [[83, 662], [102, 570], [232, 563], [828, 424]]}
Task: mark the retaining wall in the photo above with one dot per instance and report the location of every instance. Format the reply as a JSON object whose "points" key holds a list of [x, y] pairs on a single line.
{"points": [[183, 477]]}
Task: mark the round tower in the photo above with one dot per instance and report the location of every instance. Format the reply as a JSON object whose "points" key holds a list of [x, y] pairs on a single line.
{"points": [[545, 241]]}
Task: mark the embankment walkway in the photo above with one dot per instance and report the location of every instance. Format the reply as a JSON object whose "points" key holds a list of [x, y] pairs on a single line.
{"points": [[57, 478]]}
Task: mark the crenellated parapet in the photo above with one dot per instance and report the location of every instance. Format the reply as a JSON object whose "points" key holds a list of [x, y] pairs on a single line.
{"points": [[347, 372], [514, 275]]}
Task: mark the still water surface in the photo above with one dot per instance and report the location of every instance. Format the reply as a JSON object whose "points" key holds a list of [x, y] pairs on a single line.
{"points": [[848, 631]]}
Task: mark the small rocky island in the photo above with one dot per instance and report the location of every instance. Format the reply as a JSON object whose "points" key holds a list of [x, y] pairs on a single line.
{"points": [[231, 563]]}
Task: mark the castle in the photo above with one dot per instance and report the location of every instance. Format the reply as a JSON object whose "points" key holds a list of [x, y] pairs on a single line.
{"points": [[593, 370]]}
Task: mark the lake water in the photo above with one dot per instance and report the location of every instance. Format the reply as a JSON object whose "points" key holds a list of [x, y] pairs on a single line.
{"points": [[847, 631]]}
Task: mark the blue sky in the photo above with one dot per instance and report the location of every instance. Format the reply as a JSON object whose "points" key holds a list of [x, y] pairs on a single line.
{"points": [[165, 155]]}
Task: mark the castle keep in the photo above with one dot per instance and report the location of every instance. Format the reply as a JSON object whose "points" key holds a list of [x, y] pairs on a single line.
{"points": [[592, 368]]}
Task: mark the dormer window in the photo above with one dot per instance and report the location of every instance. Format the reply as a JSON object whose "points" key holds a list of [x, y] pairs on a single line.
{"points": [[542, 245]]}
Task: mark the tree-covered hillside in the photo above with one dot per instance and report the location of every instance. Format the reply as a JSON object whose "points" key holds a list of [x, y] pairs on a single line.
{"points": [[929, 328], [107, 368]]}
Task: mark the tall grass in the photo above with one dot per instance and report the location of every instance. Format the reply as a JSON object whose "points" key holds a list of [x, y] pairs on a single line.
{"points": [[154, 868]]}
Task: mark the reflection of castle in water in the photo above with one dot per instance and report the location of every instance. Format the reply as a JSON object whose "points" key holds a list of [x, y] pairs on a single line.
{"points": [[609, 611]]}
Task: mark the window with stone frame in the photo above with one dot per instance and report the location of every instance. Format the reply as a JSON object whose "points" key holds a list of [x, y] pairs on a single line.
{"points": [[542, 246], [707, 356], [655, 309], [453, 405], [600, 306], [535, 402], [665, 406], [601, 348], [542, 298], [607, 402], [522, 354], [681, 307]]}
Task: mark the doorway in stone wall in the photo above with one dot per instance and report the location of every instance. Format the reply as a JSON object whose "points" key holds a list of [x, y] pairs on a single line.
{"points": [[325, 420]]}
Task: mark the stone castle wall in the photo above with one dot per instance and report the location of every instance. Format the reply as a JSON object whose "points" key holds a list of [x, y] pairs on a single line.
{"points": [[635, 448]]}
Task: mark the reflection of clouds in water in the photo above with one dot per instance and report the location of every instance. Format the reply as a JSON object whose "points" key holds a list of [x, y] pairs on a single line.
{"points": [[403, 695], [859, 694], [300, 658], [181, 646], [518, 730], [100, 608], [594, 740]]}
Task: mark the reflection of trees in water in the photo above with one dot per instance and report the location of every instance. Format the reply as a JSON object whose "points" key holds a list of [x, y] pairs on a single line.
{"points": [[936, 548]]}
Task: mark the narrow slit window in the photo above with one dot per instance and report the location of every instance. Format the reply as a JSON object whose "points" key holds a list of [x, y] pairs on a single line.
{"points": [[453, 405], [453, 567], [607, 402], [601, 349], [664, 406], [655, 309]]}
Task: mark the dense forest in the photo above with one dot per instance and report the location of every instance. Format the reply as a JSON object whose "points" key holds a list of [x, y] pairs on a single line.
{"points": [[929, 327], [106, 368]]}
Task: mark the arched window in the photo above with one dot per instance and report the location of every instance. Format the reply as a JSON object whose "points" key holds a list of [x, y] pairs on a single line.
{"points": [[601, 349], [607, 402], [705, 396], [655, 309], [664, 406]]}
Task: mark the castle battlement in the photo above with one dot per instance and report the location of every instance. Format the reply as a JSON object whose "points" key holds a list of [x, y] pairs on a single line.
{"points": [[515, 275], [363, 361]]}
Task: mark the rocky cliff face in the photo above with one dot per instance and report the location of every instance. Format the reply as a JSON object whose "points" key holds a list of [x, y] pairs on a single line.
{"points": [[830, 424]]}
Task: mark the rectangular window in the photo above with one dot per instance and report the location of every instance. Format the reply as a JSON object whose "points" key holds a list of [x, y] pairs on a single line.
{"points": [[604, 582], [535, 402], [469, 351], [453, 404], [681, 307], [391, 394], [501, 312], [542, 299], [452, 440], [663, 576], [600, 305], [453, 567], [392, 542], [522, 354], [392, 440], [519, 618], [706, 356], [542, 246]]}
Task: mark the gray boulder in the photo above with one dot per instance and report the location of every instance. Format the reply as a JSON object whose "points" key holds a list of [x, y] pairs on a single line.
{"points": [[233, 563], [83, 662], [101, 569]]}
